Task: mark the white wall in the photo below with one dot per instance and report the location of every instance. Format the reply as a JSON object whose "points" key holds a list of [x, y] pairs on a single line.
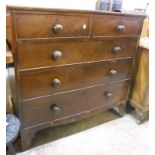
{"points": [[132, 4], [74, 4], [69, 4]]}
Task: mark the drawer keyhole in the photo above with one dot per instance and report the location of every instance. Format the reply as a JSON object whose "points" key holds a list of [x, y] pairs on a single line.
{"points": [[84, 26]]}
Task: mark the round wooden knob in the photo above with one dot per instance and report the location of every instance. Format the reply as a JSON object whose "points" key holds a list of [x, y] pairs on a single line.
{"points": [[120, 28], [58, 28], [108, 94], [56, 83], [57, 55], [116, 50], [113, 72], [55, 109]]}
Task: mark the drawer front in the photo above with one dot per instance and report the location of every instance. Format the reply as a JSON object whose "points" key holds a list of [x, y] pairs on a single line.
{"points": [[66, 78], [51, 26], [59, 53], [57, 107], [117, 26]]}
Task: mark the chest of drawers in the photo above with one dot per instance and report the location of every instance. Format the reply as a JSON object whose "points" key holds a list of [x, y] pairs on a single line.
{"points": [[70, 64]]}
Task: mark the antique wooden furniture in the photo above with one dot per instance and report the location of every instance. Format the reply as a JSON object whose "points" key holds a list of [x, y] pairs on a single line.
{"points": [[70, 64], [139, 96]]}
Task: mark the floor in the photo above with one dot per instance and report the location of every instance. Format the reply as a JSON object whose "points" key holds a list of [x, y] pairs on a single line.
{"points": [[122, 136]]}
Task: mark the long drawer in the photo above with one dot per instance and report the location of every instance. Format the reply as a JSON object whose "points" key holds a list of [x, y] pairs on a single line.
{"points": [[58, 107], [59, 53], [66, 78], [52, 26], [117, 26]]}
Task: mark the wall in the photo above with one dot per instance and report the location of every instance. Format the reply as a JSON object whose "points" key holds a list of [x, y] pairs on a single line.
{"points": [[74, 4]]}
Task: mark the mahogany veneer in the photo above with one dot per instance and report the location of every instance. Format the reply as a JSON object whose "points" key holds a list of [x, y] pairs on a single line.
{"points": [[70, 64], [41, 54]]}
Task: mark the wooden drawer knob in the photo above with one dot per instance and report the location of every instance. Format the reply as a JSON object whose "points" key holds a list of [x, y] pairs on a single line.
{"points": [[57, 55], [116, 50], [55, 109], [108, 94], [113, 72], [120, 28], [56, 83], [58, 28]]}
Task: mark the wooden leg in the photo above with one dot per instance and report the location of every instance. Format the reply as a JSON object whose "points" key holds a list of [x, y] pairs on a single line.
{"points": [[120, 109], [11, 150], [26, 139], [140, 117], [29, 134]]}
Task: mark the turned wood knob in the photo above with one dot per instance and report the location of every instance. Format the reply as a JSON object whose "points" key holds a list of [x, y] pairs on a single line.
{"points": [[116, 50], [58, 28], [56, 83], [55, 109], [108, 94], [57, 55], [120, 28], [113, 72]]}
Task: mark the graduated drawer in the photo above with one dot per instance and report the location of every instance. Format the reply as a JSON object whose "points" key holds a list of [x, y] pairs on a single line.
{"points": [[59, 107], [117, 26], [66, 78], [46, 54], [51, 26]]}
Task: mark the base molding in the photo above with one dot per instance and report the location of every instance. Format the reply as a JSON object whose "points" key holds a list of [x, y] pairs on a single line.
{"points": [[27, 134]]}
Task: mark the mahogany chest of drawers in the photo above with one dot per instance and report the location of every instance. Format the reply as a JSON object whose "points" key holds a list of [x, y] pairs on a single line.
{"points": [[70, 64]]}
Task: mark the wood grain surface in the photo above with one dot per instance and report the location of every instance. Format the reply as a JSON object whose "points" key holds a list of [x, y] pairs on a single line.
{"points": [[41, 54], [88, 77], [72, 77], [42, 110]]}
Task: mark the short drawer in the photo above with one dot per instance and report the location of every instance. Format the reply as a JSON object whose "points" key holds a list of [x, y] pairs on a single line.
{"points": [[59, 53], [117, 26], [51, 26], [66, 78], [57, 107]]}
